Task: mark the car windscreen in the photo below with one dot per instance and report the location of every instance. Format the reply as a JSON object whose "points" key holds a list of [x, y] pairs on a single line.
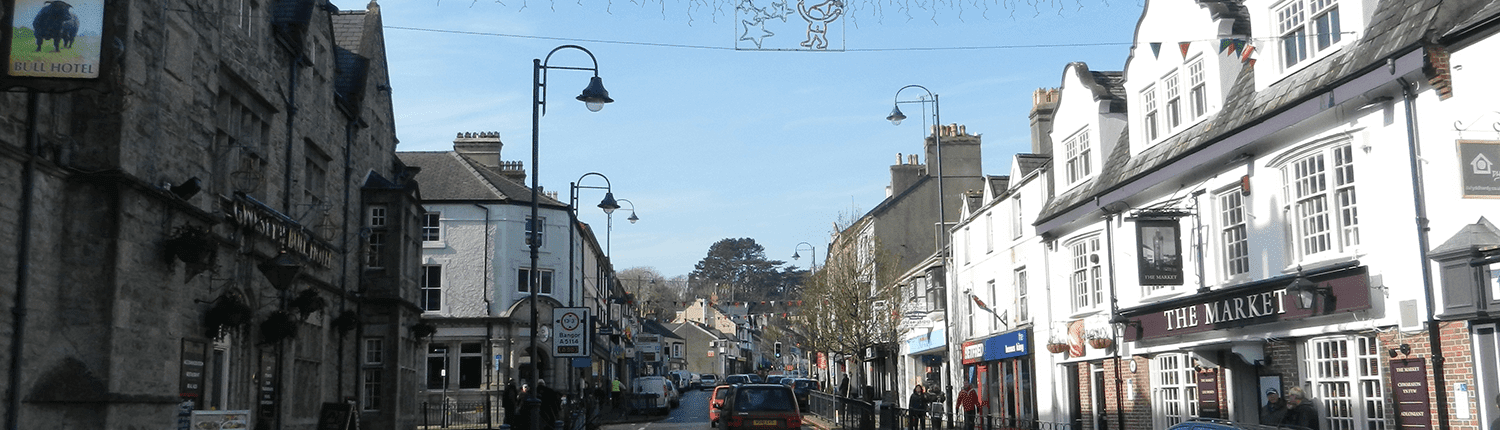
{"points": [[803, 384], [751, 399]]}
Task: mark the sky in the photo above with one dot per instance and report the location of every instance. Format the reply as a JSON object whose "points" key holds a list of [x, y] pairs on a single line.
{"points": [[723, 125]]}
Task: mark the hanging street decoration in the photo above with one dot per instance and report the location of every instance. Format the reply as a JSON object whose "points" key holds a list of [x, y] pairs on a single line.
{"points": [[760, 21]]}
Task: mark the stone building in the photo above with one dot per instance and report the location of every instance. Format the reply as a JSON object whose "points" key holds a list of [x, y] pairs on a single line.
{"points": [[217, 221]]}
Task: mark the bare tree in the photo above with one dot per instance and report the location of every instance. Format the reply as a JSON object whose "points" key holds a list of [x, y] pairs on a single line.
{"points": [[851, 303], [657, 297]]}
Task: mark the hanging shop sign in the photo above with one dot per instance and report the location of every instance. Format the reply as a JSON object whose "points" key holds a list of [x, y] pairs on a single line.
{"points": [[263, 220], [1261, 302], [190, 381], [1013, 343], [1160, 256], [1410, 378], [54, 39], [572, 333], [1479, 168]]}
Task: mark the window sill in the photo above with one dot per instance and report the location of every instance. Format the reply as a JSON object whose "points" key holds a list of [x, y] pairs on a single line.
{"points": [[1085, 313], [435, 245]]}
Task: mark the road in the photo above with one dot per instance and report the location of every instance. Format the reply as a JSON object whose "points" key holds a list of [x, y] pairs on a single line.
{"points": [[692, 414]]}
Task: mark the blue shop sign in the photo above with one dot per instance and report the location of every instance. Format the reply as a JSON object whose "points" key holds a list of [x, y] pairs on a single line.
{"points": [[1009, 344], [937, 338]]}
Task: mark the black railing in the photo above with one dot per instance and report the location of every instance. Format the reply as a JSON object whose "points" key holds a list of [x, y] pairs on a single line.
{"points": [[462, 415]]}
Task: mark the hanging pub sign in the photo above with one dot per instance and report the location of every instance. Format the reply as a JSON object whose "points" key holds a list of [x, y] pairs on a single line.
{"points": [[1478, 168], [1160, 257], [54, 38]]}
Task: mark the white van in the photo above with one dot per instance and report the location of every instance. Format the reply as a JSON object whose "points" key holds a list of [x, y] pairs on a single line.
{"points": [[685, 380], [653, 393]]}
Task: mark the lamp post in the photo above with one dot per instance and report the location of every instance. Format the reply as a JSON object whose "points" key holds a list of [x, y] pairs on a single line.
{"points": [[937, 140], [608, 205], [594, 97], [814, 249]]}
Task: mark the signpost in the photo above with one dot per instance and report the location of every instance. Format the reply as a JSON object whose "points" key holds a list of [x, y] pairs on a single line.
{"points": [[572, 332]]}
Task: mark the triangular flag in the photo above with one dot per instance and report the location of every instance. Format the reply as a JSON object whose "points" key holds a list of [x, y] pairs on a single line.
{"points": [[1156, 49], [1239, 45], [1184, 46], [1225, 44], [1246, 57], [1251, 63]]}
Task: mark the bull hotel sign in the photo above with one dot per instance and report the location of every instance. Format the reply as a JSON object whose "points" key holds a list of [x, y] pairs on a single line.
{"points": [[1259, 302]]}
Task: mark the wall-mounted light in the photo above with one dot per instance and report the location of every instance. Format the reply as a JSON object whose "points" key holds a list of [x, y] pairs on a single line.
{"points": [[1305, 290], [282, 270], [187, 189]]}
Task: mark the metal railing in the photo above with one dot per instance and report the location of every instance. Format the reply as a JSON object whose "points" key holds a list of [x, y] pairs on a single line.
{"points": [[462, 415]]}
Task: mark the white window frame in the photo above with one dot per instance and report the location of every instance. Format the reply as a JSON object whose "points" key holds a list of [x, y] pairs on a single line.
{"points": [[989, 232], [1345, 375], [376, 216], [1306, 29], [1197, 90], [1174, 386], [1322, 210], [374, 351], [429, 289], [1018, 220], [1150, 125], [1234, 234], [1086, 277], [432, 227], [1023, 311], [968, 240], [369, 393], [548, 281], [1171, 84], [540, 233], [1078, 151]]}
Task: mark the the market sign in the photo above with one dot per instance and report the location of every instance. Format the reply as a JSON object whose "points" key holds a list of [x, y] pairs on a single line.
{"points": [[1261, 302]]}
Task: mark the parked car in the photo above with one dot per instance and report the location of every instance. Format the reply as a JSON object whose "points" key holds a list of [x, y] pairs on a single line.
{"points": [[685, 380], [1218, 424], [716, 403], [760, 407], [802, 388], [774, 379], [708, 381], [653, 393], [742, 378]]}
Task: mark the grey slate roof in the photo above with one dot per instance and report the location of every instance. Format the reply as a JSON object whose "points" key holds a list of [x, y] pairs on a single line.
{"points": [[1397, 27], [447, 175], [1027, 163], [656, 327], [998, 185]]}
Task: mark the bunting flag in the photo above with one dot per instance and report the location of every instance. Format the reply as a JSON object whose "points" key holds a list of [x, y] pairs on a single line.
{"points": [[1225, 44], [1251, 63], [1239, 45], [1246, 57], [1156, 49], [1184, 46]]}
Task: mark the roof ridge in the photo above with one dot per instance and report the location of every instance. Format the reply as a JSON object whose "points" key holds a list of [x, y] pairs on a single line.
{"points": [[464, 161]]}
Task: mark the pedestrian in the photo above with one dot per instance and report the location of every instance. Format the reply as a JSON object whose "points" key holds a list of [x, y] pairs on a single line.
{"points": [[1495, 425], [844, 387], [1275, 408], [614, 391], [916, 408], [968, 400], [508, 397], [1299, 412]]}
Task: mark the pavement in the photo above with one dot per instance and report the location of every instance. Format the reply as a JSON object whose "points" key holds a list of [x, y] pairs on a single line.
{"points": [[621, 416]]}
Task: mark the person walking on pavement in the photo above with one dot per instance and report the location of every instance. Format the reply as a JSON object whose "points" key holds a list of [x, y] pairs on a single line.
{"points": [[968, 400], [917, 408], [614, 391]]}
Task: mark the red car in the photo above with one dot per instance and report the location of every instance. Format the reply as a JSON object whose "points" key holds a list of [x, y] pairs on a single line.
{"points": [[716, 404], [760, 407]]}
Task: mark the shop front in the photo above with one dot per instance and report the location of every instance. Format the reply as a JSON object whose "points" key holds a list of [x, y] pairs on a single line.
{"points": [[1006, 379]]}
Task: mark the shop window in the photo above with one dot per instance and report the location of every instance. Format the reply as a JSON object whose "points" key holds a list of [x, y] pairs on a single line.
{"points": [[1176, 389], [437, 366], [470, 365], [1346, 382]]}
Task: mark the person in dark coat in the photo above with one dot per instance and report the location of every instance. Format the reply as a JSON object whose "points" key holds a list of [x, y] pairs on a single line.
{"points": [[916, 408], [844, 387], [1274, 410], [1299, 412]]}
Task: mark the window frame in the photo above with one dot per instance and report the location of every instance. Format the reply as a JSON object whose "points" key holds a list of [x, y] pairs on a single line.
{"points": [[1170, 84], [431, 293], [1305, 30], [1233, 239], [548, 281], [1360, 354], [1149, 120], [1197, 89], [531, 231], [1077, 153], [1018, 280], [432, 226], [1085, 278], [1322, 209], [1173, 373]]}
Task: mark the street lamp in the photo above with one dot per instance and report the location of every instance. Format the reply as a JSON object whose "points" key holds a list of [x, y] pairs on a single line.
{"points": [[608, 205], [632, 218], [594, 97], [937, 139], [814, 249]]}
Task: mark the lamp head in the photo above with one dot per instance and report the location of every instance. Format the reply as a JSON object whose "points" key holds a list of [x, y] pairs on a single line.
{"points": [[595, 96], [796, 255], [896, 116], [609, 205], [1304, 289], [633, 219]]}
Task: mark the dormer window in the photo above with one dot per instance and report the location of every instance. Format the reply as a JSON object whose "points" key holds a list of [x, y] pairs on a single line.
{"points": [[1306, 27], [1077, 147], [1148, 101], [1174, 100], [1198, 95]]}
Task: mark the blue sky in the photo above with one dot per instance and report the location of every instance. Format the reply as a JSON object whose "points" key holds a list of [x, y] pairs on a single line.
{"points": [[712, 142]]}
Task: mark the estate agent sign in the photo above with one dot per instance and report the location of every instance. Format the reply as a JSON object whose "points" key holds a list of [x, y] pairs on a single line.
{"points": [[1477, 164]]}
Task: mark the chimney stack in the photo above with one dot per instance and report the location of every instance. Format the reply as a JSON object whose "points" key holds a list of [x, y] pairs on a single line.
{"points": [[484, 148], [1044, 103]]}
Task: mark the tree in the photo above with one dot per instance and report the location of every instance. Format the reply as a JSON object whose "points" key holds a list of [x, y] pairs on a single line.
{"points": [[851, 303], [657, 297], [737, 269]]}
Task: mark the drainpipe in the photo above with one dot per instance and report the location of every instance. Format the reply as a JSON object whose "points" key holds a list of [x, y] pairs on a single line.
{"points": [[23, 267], [1419, 203], [1114, 309], [349, 132], [489, 323]]}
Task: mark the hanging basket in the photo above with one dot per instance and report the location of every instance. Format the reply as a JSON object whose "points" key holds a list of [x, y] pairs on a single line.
{"points": [[308, 302], [1057, 348], [192, 245], [1101, 342], [422, 330], [278, 327], [228, 312]]}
